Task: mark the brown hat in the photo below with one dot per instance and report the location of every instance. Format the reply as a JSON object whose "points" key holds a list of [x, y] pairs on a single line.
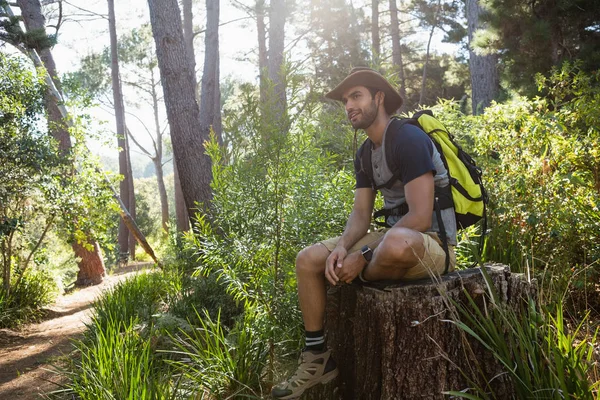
{"points": [[363, 76]]}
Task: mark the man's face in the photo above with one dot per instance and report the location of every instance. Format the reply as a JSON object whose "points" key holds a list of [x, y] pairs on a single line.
{"points": [[361, 107]]}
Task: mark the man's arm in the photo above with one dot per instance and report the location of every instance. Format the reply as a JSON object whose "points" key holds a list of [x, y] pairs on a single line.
{"points": [[419, 194], [356, 227]]}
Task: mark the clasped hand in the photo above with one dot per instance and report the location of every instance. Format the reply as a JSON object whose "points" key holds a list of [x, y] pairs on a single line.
{"points": [[341, 266]]}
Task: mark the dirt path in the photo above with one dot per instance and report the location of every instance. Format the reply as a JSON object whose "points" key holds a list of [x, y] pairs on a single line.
{"points": [[27, 354]]}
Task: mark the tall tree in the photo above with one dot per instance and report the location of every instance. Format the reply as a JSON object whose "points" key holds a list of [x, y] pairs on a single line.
{"points": [[91, 264], [277, 16], [126, 184], [397, 59], [210, 98], [375, 38], [177, 76], [263, 57], [485, 83], [182, 216], [534, 36]]}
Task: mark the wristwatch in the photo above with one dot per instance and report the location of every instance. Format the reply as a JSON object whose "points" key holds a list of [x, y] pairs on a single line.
{"points": [[367, 253]]}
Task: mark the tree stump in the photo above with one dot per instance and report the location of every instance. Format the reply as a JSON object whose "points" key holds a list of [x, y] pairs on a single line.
{"points": [[397, 343]]}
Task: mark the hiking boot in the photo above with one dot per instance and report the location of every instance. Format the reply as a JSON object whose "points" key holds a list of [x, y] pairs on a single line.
{"points": [[314, 368]]}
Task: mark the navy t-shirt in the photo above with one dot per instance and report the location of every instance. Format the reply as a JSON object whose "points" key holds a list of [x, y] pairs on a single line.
{"points": [[412, 150]]}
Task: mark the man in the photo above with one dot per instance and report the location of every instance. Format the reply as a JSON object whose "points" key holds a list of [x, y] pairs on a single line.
{"points": [[408, 249]]}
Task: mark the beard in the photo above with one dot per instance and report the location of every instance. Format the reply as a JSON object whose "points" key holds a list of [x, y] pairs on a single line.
{"points": [[366, 117]]}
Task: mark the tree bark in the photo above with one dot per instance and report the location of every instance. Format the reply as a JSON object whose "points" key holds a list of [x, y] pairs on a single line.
{"points": [[485, 82], [91, 267], [91, 263], [263, 58], [125, 184], [397, 59], [375, 39], [426, 64], [277, 101], [397, 343], [157, 160], [210, 97], [177, 76], [181, 212]]}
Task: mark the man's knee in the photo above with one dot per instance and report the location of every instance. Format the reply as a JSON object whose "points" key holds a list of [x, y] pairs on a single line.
{"points": [[401, 244], [312, 259]]}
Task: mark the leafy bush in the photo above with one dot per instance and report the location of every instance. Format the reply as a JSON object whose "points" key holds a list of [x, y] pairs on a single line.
{"points": [[24, 303], [209, 294], [225, 364], [139, 297], [118, 363], [540, 159]]}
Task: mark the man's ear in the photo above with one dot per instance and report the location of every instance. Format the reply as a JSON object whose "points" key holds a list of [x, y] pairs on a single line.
{"points": [[380, 98]]}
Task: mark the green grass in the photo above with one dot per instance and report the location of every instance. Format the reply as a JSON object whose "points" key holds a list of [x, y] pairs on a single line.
{"points": [[540, 355]]}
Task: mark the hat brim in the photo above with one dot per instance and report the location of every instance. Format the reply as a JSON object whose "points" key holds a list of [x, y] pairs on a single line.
{"points": [[393, 101]]}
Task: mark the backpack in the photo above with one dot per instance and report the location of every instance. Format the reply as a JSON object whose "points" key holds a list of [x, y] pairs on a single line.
{"points": [[465, 192]]}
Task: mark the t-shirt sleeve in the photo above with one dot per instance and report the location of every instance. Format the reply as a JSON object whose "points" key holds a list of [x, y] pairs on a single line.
{"points": [[413, 151], [362, 179]]}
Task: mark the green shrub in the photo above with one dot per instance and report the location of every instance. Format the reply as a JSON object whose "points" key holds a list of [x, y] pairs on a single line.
{"points": [[139, 297], [206, 293], [118, 363], [24, 303], [224, 364]]}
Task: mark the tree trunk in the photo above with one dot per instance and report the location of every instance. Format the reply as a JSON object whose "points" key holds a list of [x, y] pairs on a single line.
{"points": [[157, 160], [131, 237], [277, 98], [210, 94], [188, 38], [426, 64], [31, 12], [375, 40], [91, 267], [398, 344], [485, 83], [397, 60], [181, 212], [162, 192], [262, 49], [177, 76], [125, 184]]}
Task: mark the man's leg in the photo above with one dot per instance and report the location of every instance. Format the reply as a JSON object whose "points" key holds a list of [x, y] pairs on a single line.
{"points": [[316, 364], [399, 250], [310, 272]]}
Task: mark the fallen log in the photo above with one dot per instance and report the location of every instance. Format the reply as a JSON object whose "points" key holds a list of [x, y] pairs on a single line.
{"points": [[397, 342]]}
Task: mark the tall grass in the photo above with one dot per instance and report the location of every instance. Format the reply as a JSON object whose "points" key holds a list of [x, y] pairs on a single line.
{"points": [[139, 297], [224, 364], [118, 363], [542, 358]]}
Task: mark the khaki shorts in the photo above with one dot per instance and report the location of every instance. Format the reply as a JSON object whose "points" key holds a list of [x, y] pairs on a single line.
{"points": [[434, 260]]}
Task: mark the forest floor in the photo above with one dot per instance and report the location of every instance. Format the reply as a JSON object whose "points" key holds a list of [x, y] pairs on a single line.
{"points": [[30, 355]]}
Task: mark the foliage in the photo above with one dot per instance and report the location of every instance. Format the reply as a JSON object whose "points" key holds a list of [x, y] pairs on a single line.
{"points": [[274, 193], [541, 356], [533, 37], [24, 302], [541, 164], [118, 363], [140, 298], [225, 364], [206, 293]]}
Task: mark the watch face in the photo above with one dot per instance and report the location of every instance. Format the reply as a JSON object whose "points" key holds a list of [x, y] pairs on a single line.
{"points": [[367, 253]]}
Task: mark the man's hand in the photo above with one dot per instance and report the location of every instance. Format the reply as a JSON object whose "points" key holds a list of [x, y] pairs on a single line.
{"points": [[334, 262], [354, 263]]}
